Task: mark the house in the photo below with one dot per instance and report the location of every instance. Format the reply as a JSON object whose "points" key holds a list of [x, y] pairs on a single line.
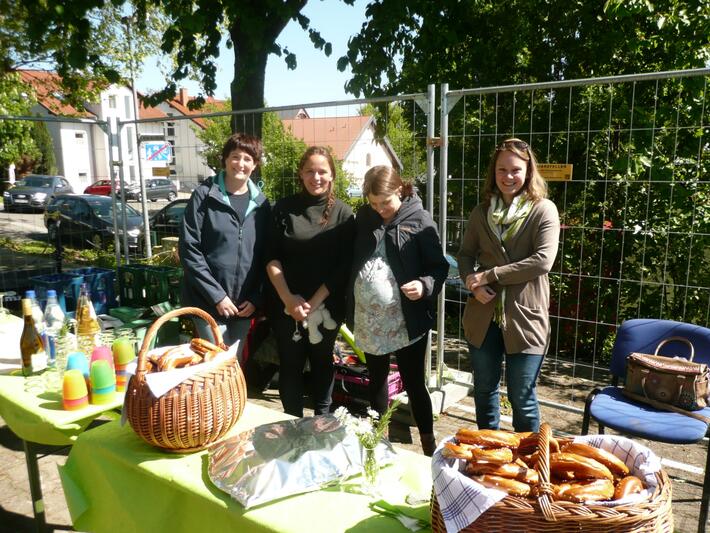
{"points": [[352, 140], [81, 148]]}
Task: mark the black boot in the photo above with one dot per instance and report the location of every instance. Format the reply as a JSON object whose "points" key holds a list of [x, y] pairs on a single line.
{"points": [[428, 443]]}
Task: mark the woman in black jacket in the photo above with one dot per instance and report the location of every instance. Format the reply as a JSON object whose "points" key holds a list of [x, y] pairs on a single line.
{"points": [[308, 260], [398, 270], [222, 240]]}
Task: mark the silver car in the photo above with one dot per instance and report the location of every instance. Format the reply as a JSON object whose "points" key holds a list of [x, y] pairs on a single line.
{"points": [[35, 191]]}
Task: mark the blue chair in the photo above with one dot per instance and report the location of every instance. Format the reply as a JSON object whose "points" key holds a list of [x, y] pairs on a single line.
{"points": [[610, 408]]}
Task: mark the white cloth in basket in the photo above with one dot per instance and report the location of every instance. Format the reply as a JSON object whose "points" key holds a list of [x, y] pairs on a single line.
{"points": [[462, 500]]}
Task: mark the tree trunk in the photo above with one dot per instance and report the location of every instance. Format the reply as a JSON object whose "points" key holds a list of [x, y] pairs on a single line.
{"points": [[254, 33]]}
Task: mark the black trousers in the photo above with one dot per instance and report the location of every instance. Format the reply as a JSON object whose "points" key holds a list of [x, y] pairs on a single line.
{"points": [[410, 361], [292, 358]]}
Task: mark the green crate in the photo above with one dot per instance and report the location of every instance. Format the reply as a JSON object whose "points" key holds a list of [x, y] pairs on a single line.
{"points": [[168, 334], [146, 285]]}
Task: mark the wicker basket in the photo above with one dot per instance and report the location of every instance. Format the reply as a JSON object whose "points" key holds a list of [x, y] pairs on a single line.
{"points": [[193, 414], [545, 515]]}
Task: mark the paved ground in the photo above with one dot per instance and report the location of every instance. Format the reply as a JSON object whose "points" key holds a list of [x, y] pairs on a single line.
{"points": [[15, 509]]}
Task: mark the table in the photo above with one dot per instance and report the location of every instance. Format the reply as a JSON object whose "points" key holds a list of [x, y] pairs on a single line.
{"points": [[40, 419], [114, 481]]}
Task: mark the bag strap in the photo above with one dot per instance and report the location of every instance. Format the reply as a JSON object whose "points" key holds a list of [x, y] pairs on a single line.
{"points": [[679, 339], [664, 406]]}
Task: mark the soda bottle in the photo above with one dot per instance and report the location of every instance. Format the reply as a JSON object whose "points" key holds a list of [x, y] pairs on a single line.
{"points": [[54, 320], [34, 357]]}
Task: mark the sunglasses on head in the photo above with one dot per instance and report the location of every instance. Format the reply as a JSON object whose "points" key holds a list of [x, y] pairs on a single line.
{"points": [[519, 145]]}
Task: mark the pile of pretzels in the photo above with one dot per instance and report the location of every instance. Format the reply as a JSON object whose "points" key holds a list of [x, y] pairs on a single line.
{"points": [[506, 461], [198, 351]]}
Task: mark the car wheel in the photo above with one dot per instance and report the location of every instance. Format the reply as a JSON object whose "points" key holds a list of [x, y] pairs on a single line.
{"points": [[171, 196], [9, 209], [154, 199]]}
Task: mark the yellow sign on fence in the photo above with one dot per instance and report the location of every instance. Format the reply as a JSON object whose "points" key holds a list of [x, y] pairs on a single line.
{"points": [[160, 171], [555, 171]]}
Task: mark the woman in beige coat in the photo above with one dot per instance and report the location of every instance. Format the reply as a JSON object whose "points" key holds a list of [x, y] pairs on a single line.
{"points": [[508, 248]]}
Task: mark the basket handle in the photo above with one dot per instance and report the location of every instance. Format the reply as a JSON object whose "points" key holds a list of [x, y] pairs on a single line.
{"points": [[678, 339], [544, 497], [153, 329]]}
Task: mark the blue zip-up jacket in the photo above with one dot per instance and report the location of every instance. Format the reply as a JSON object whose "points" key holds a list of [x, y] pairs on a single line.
{"points": [[222, 257]]}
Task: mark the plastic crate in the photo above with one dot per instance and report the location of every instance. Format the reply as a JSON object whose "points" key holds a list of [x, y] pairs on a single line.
{"points": [[100, 282], [146, 285], [67, 285]]}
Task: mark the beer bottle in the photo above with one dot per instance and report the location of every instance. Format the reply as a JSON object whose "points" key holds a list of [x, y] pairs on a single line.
{"points": [[34, 357]]}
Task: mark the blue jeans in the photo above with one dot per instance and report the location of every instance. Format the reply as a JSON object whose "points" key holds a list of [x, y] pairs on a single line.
{"points": [[521, 371]]}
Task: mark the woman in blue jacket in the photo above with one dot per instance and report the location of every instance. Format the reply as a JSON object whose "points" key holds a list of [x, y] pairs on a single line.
{"points": [[222, 242], [398, 270]]}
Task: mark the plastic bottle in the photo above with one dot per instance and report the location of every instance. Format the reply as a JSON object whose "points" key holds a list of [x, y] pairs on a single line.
{"points": [[34, 357], [54, 320]]}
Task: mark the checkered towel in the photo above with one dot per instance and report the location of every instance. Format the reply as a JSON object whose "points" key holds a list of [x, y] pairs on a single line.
{"points": [[462, 500]]}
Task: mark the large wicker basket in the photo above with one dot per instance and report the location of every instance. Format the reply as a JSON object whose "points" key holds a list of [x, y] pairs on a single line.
{"points": [[545, 515], [195, 413]]}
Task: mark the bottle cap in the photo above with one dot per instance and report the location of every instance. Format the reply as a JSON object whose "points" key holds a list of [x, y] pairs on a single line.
{"points": [[26, 307], [30, 294], [51, 292]]}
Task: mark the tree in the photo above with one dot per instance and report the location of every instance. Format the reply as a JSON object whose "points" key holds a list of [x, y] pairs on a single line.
{"points": [[193, 34], [45, 162], [16, 137]]}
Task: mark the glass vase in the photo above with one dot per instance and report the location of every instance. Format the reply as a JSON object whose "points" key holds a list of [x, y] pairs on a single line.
{"points": [[370, 470]]}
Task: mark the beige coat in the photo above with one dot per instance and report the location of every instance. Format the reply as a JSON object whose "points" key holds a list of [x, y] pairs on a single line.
{"points": [[521, 267]]}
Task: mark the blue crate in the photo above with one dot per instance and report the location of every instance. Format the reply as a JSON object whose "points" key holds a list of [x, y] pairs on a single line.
{"points": [[100, 282], [66, 284]]}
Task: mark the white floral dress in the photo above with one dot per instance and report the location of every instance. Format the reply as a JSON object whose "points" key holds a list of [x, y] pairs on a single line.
{"points": [[379, 321]]}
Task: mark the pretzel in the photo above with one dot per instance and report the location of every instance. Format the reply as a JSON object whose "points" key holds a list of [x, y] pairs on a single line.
{"points": [[488, 438], [493, 455], [529, 442], [202, 347], [628, 486], [611, 461], [456, 451], [585, 491], [174, 358], [507, 470], [511, 486], [582, 467]]}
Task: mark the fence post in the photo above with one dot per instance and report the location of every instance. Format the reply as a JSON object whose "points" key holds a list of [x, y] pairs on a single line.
{"points": [[121, 173], [110, 131], [443, 171]]}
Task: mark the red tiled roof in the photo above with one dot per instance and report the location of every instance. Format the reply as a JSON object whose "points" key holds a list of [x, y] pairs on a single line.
{"points": [[339, 133], [49, 92]]}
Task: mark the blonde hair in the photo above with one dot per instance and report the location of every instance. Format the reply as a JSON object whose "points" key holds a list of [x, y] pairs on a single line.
{"points": [[535, 186]]}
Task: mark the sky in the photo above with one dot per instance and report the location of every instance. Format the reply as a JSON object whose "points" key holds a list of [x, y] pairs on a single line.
{"points": [[316, 78]]}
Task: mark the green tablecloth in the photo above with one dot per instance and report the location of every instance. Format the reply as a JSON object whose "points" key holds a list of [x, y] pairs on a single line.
{"points": [[40, 418], [113, 481]]}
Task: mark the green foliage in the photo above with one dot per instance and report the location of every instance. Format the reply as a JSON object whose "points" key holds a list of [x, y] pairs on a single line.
{"points": [[16, 137], [45, 162]]}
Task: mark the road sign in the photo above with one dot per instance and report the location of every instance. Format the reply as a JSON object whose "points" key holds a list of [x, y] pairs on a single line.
{"points": [[160, 151]]}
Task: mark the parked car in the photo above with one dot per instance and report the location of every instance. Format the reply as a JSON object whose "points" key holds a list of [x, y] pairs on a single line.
{"points": [[167, 221], [35, 191], [155, 189], [454, 289], [86, 220], [101, 187]]}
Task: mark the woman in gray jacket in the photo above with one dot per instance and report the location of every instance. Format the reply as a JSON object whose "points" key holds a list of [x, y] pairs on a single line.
{"points": [[508, 248]]}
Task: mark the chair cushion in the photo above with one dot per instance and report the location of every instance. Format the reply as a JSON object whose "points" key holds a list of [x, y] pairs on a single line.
{"points": [[612, 409]]}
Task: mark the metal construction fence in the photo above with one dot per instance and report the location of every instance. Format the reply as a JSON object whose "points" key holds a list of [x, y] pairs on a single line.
{"points": [[634, 212]]}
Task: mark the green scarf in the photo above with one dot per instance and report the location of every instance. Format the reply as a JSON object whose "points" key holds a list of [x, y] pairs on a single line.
{"points": [[505, 221]]}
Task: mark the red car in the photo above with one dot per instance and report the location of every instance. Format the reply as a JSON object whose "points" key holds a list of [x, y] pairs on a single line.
{"points": [[101, 187]]}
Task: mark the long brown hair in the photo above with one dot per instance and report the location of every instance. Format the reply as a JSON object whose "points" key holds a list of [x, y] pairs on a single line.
{"points": [[535, 186], [325, 152], [385, 180]]}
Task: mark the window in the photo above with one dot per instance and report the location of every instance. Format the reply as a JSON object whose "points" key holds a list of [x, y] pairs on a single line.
{"points": [[78, 135], [132, 172], [129, 106], [130, 139], [368, 159], [112, 101]]}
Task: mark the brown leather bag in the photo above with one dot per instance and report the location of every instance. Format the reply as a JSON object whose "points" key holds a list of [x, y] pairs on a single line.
{"points": [[669, 380]]}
